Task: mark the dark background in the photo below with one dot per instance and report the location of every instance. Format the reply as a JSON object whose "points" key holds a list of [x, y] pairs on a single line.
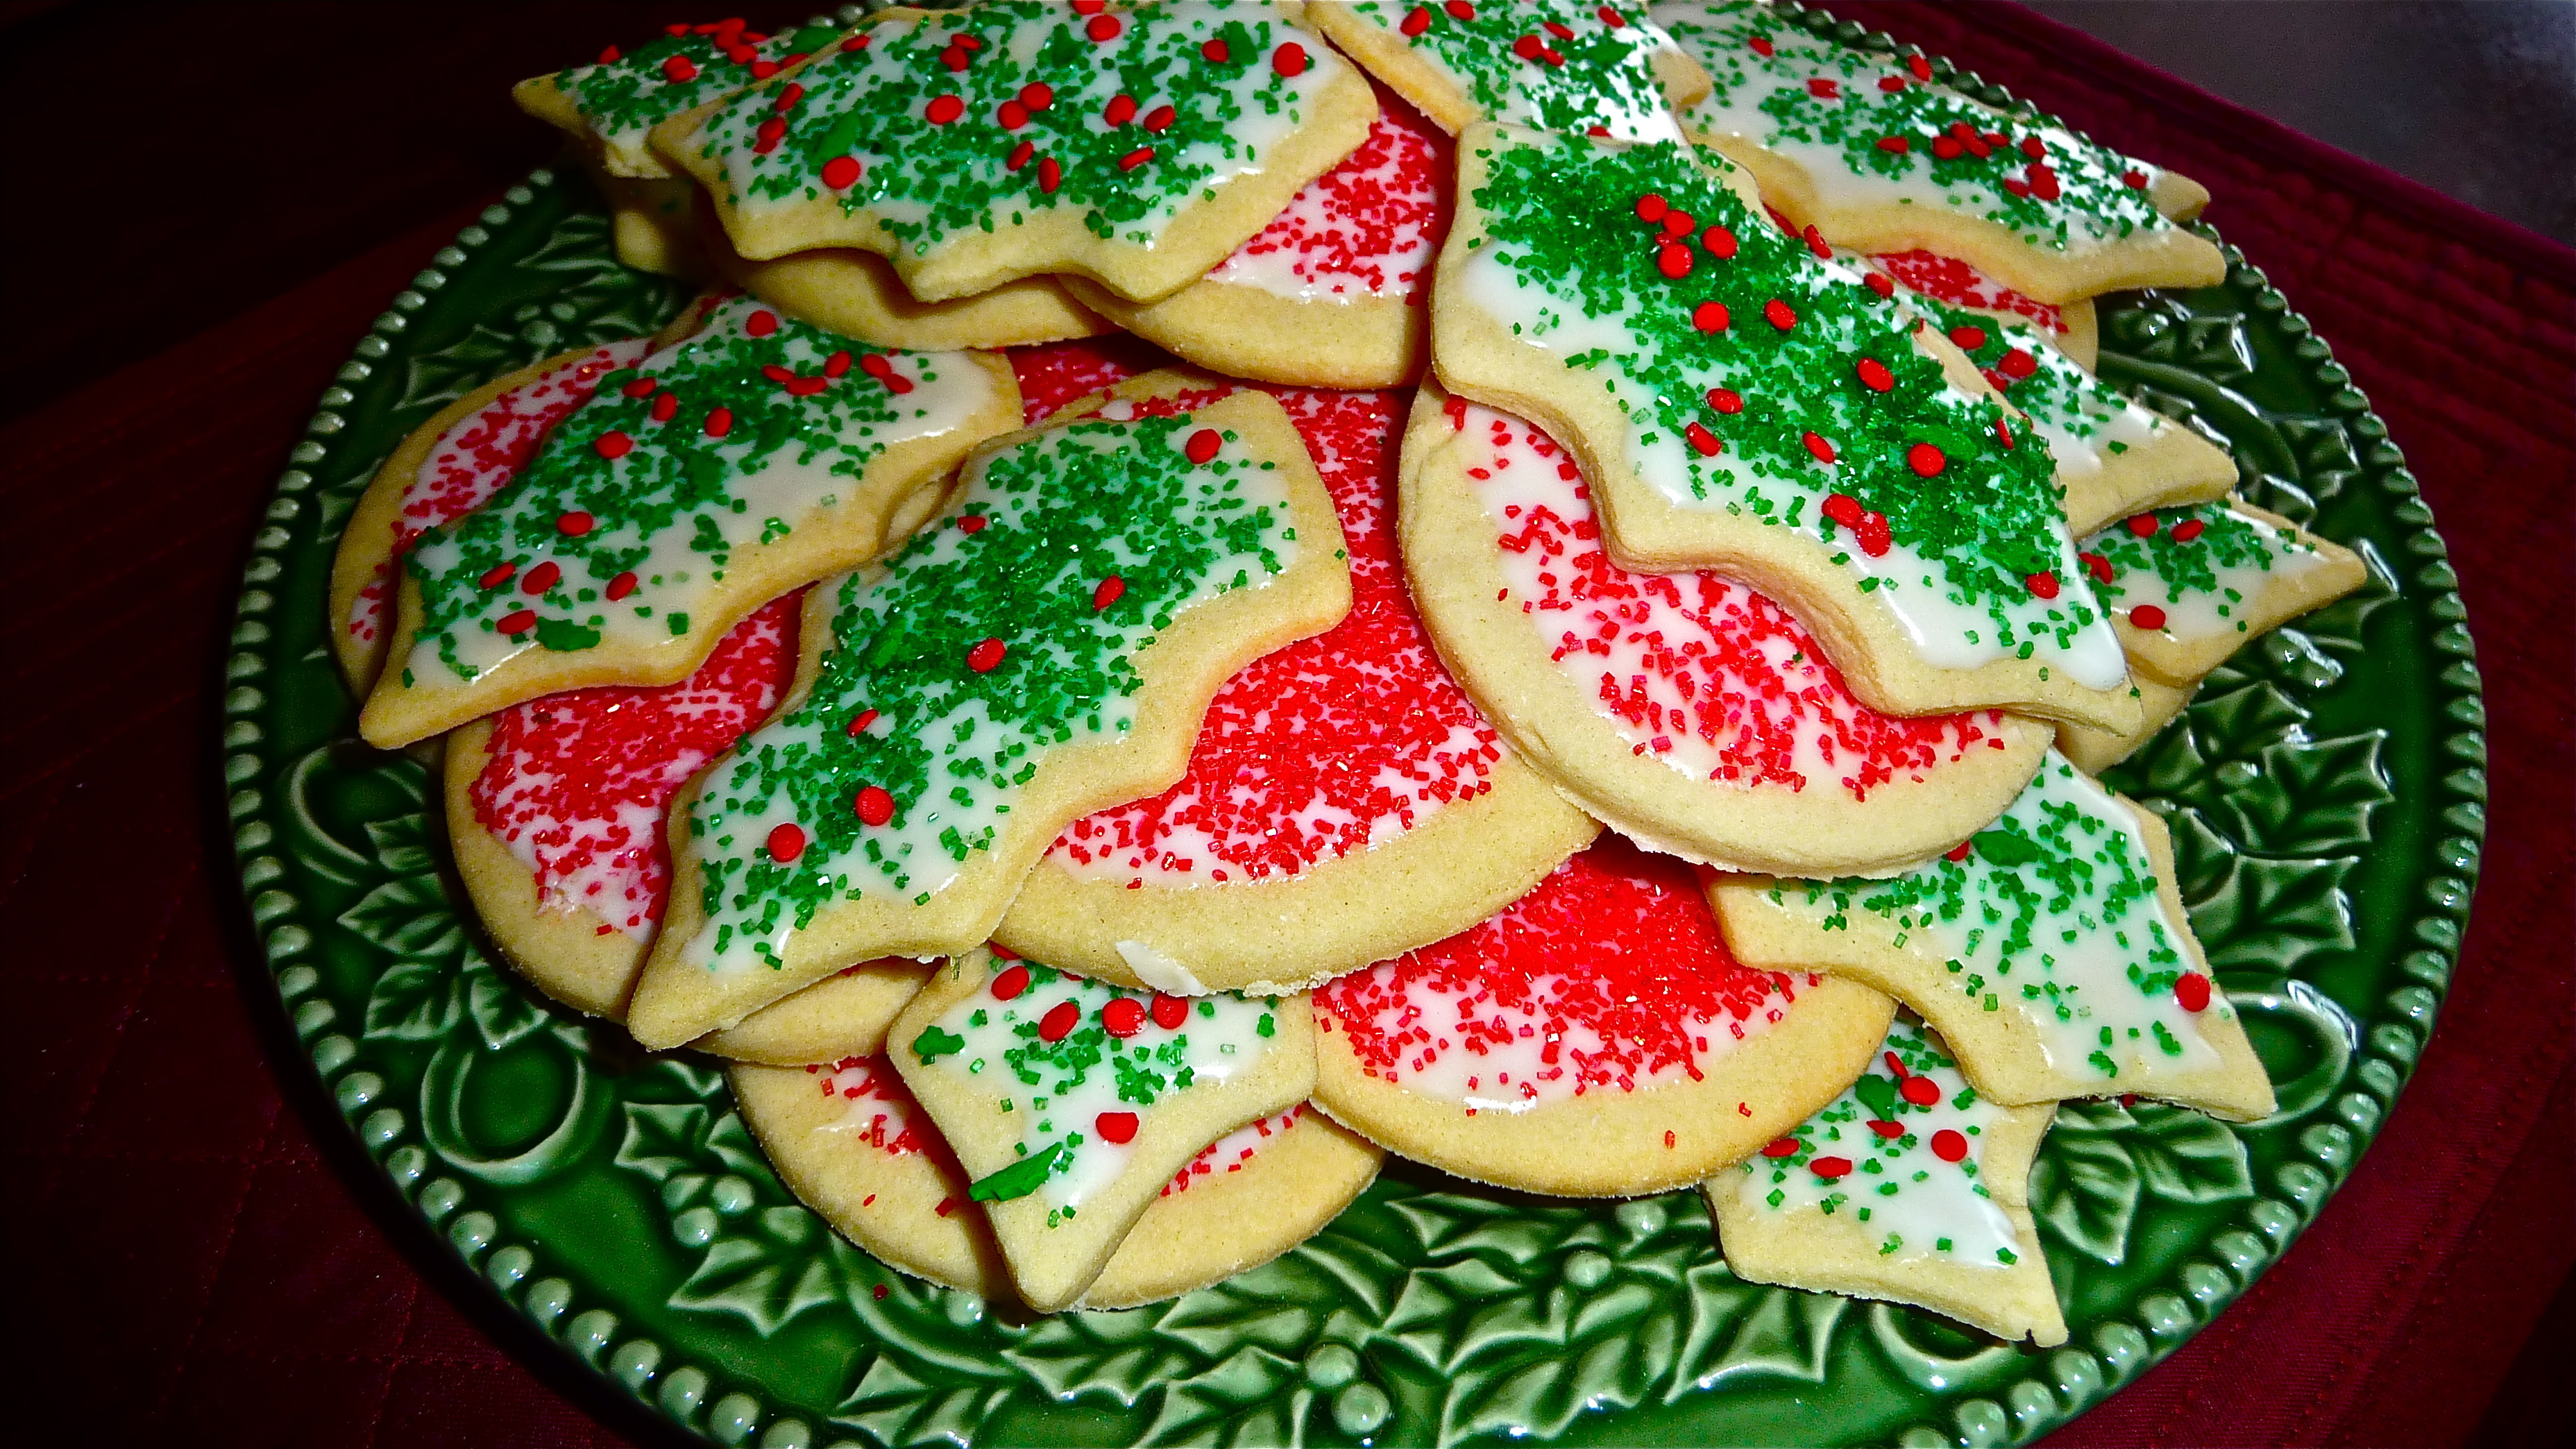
{"points": [[208, 202]]}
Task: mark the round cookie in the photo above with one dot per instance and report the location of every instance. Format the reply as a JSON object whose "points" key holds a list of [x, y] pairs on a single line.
{"points": [[860, 1151], [1334, 292], [1684, 709], [1594, 1039], [1344, 802]]}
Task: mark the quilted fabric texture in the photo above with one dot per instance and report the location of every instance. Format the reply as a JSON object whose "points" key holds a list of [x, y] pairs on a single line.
{"points": [[195, 1267]]}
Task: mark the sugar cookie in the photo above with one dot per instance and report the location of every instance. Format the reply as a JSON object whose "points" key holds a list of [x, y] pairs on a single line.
{"points": [[2189, 587], [857, 294], [751, 458], [2114, 457], [2072, 326], [1874, 154], [1344, 801], [1335, 291], [1136, 146], [1908, 1187], [2051, 951], [652, 223], [1592, 1039], [1045, 651], [861, 1152], [1553, 64], [1742, 405], [1684, 709], [1070, 1103], [555, 808]]}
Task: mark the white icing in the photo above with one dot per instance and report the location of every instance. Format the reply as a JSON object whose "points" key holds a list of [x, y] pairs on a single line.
{"points": [[1160, 971]]}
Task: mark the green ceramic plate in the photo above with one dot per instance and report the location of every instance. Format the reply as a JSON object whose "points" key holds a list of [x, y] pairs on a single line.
{"points": [[2325, 792]]}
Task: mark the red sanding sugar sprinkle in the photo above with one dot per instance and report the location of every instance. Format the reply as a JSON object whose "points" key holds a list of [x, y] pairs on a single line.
{"points": [[1370, 226], [1333, 743], [577, 783], [1064, 372], [1947, 279], [1612, 967]]}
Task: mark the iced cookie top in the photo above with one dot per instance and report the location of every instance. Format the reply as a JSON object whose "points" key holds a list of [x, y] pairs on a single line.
{"points": [[2085, 421], [477, 456], [881, 1111], [2188, 573], [624, 521], [2053, 912], [1873, 129], [1608, 976], [1330, 745], [626, 93], [1235, 1150], [1694, 669], [1898, 1152], [1763, 380], [577, 784], [970, 119], [1369, 227], [1078, 1064], [1005, 630], [1557, 65]]}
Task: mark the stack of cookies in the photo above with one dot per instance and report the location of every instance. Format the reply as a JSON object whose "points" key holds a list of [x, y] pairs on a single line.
{"points": [[1215, 591]]}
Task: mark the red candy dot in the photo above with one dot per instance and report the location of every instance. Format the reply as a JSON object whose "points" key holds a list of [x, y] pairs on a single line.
{"points": [[1037, 95], [614, 445], [1777, 313], [2096, 565], [498, 574], [2134, 180], [1123, 1017], [1459, 10], [1060, 1020], [2147, 617], [1897, 144], [874, 805], [1674, 262], [1878, 282], [1050, 175], [1111, 590], [2191, 991], [1844, 509], [1009, 985], [1135, 158], [986, 656], [786, 842], [1120, 110], [1703, 441], [1921, 66], [719, 422], [1888, 1130], [2189, 529], [1958, 851], [1873, 534], [1651, 207], [2143, 525], [2017, 364], [1289, 60], [1874, 375], [1170, 1011], [761, 323], [1921, 1091], [1926, 460], [1116, 1127], [609, 56], [1160, 119], [1816, 444], [1726, 400], [2042, 585], [943, 109], [680, 68], [1416, 21], [1718, 241], [541, 578], [1949, 1145], [1830, 1168], [1102, 27], [1612, 18], [1824, 89], [973, 523], [518, 623], [1202, 445], [1780, 1147], [666, 407], [620, 586], [1968, 338], [640, 387], [1215, 53], [1709, 317], [1020, 155], [860, 722]]}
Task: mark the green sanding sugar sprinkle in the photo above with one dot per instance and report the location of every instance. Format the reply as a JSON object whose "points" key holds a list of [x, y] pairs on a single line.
{"points": [[1009, 630], [2185, 559], [1882, 119], [642, 497], [1554, 64], [627, 93], [1805, 361], [976, 119]]}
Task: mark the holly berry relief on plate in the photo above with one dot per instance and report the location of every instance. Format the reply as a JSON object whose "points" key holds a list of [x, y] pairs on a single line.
{"points": [[1602, 890]]}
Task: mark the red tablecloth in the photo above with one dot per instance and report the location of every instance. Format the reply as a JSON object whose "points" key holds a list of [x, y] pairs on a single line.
{"points": [[189, 1266]]}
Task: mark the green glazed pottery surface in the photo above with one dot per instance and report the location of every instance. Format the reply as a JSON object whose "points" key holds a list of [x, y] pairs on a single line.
{"points": [[2325, 792]]}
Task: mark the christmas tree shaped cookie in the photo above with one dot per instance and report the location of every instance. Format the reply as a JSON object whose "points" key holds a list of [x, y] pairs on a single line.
{"points": [[2051, 951], [1557, 65], [1344, 802], [851, 1142], [1593, 1039], [1132, 144], [2114, 457], [1909, 1187], [2190, 586], [1740, 403], [1045, 651], [1070, 1103], [555, 811], [1870, 151], [1336, 290], [446, 468], [753, 457], [1684, 709]]}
